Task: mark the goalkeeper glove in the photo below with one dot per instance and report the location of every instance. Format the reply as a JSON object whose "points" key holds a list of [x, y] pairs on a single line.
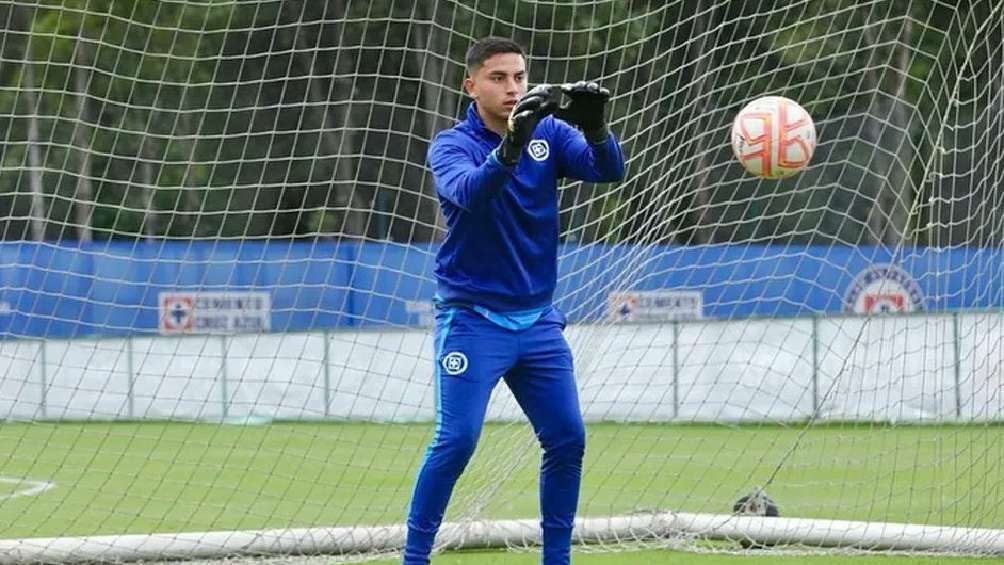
{"points": [[539, 102], [587, 109]]}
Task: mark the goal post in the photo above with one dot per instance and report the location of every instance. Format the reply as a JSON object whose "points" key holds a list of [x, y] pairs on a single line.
{"points": [[639, 528], [218, 244]]}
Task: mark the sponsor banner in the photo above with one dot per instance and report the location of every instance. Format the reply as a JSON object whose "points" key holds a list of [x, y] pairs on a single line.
{"points": [[655, 305], [883, 289], [214, 312]]}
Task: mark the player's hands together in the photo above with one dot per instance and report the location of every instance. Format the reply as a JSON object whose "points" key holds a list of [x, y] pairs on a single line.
{"points": [[587, 109], [540, 101]]}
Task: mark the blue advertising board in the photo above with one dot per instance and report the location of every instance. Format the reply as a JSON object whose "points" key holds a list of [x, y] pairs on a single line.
{"points": [[118, 288]]}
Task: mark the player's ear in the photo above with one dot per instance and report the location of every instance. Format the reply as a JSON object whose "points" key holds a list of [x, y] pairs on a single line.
{"points": [[469, 86]]}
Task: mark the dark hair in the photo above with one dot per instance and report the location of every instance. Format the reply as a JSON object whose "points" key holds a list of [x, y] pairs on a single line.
{"points": [[485, 47]]}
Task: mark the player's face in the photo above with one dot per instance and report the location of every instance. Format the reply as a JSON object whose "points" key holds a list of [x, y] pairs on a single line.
{"points": [[497, 84]]}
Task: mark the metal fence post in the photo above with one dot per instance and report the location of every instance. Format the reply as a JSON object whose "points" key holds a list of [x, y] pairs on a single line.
{"points": [[957, 369], [224, 393], [327, 374], [131, 375], [815, 366], [44, 376], [676, 369]]}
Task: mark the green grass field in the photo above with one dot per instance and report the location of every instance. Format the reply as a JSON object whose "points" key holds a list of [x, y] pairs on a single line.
{"points": [[172, 477]]}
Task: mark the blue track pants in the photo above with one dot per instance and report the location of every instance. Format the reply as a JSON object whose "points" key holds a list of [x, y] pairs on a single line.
{"points": [[472, 354]]}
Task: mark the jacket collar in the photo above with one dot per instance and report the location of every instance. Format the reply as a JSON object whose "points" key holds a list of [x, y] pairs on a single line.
{"points": [[478, 124]]}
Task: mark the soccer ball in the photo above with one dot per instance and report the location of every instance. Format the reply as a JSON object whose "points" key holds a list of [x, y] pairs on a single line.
{"points": [[773, 137]]}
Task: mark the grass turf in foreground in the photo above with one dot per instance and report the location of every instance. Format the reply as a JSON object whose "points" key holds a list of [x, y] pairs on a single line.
{"points": [[159, 477]]}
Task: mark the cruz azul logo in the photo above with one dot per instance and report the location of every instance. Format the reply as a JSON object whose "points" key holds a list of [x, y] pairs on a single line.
{"points": [[176, 312], [884, 288], [539, 149], [454, 363]]}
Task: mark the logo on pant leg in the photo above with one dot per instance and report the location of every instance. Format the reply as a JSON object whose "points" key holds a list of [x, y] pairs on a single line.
{"points": [[454, 363]]}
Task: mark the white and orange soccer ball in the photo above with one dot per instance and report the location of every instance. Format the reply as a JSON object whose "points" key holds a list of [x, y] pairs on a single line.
{"points": [[773, 137]]}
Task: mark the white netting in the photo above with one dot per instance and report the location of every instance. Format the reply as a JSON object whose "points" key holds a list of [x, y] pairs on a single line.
{"points": [[219, 211]]}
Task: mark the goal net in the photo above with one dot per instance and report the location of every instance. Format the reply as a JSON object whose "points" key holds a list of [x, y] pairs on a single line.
{"points": [[219, 234]]}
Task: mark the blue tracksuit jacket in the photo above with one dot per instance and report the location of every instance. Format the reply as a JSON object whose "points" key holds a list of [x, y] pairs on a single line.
{"points": [[501, 246]]}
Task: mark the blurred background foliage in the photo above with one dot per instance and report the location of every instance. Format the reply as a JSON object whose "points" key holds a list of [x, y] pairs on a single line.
{"points": [[296, 118]]}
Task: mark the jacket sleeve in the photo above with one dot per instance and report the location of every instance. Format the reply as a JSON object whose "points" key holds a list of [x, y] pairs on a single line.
{"points": [[460, 179], [581, 160]]}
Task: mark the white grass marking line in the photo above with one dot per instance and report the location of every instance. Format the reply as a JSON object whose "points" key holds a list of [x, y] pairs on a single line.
{"points": [[32, 487]]}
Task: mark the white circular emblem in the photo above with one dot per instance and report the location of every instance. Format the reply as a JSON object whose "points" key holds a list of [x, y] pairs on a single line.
{"points": [[884, 288], [454, 363], [539, 149]]}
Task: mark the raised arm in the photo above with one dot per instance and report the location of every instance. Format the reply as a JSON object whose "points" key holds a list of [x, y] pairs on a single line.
{"points": [[465, 182], [593, 154], [460, 179], [580, 159]]}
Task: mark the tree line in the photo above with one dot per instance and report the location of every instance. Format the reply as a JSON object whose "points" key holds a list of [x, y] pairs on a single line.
{"points": [[140, 119]]}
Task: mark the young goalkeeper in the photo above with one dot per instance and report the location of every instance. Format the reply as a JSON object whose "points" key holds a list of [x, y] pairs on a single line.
{"points": [[496, 177]]}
